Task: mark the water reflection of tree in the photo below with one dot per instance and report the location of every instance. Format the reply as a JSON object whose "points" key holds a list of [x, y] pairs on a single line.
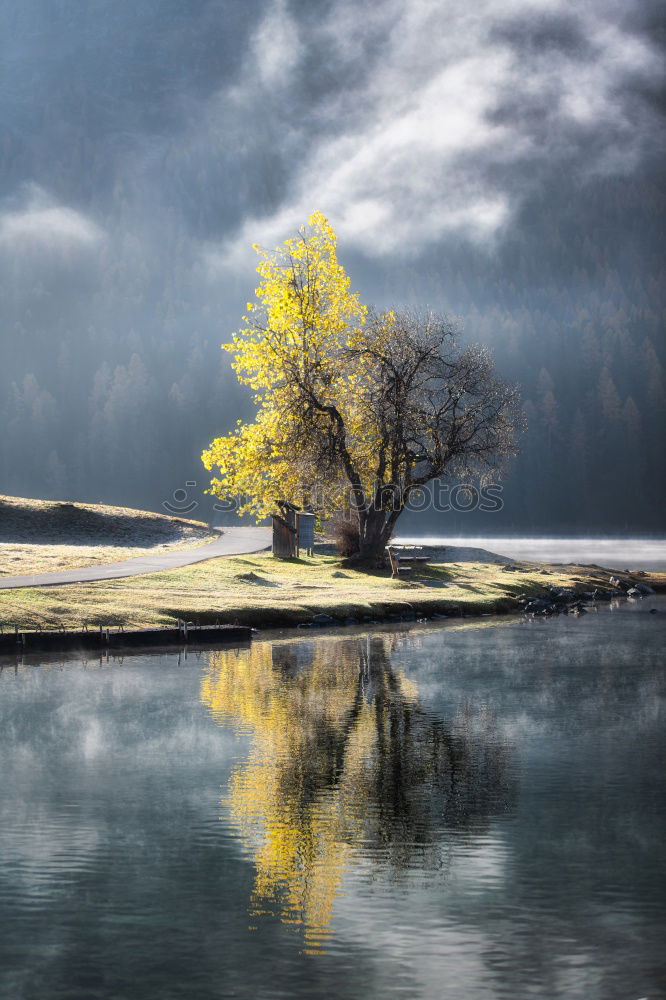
{"points": [[346, 767]]}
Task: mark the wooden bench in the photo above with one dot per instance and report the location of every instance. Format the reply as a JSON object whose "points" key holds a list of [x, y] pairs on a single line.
{"points": [[404, 558]]}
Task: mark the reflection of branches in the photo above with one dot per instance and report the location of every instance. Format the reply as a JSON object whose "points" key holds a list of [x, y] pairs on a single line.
{"points": [[343, 755]]}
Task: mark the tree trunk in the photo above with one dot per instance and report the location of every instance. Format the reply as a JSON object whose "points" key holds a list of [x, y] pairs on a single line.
{"points": [[375, 529]]}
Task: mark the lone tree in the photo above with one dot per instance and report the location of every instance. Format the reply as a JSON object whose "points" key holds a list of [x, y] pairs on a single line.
{"points": [[356, 409]]}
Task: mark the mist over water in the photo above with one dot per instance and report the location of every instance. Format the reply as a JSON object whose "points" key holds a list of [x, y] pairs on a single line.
{"points": [[616, 553]]}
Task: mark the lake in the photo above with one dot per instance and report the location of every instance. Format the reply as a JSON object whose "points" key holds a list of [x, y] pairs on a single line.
{"points": [[470, 810], [633, 553]]}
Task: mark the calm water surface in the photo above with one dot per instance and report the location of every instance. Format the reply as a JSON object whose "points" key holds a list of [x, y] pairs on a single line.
{"points": [[473, 811]]}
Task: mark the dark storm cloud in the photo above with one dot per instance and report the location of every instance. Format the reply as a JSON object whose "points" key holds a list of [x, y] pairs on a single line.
{"points": [[403, 121], [83, 83], [425, 120], [552, 31]]}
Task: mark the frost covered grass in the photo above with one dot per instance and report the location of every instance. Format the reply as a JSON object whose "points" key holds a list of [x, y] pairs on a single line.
{"points": [[42, 536]]}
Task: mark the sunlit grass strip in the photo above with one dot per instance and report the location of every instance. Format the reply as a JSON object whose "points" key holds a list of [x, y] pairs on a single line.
{"points": [[261, 591]]}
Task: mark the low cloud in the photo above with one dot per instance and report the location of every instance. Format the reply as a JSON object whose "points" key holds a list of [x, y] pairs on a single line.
{"points": [[275, 48], [42, 224], [439, 120]]}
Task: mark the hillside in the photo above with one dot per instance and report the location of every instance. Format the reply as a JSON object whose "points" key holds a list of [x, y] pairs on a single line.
{"points": [[39, 536]]}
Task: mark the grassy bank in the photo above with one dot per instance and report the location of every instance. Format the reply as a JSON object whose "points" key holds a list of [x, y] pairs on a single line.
{"points": [[262, 591], [43, 536]]}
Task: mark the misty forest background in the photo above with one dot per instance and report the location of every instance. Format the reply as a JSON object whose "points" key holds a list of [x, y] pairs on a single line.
{"points": [[112, 380]]}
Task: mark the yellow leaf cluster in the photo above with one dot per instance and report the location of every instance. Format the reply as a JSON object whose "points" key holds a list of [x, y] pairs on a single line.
{"points": [[293, 351]]}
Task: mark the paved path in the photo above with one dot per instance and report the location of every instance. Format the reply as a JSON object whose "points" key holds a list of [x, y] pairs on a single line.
{"points": [[232, 542]]}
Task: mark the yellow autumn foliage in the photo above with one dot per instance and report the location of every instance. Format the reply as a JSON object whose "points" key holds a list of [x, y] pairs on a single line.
{"points": [[294, 351]]}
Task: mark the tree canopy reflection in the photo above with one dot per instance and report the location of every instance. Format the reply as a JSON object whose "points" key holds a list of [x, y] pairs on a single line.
{"points": [[345, 768]]}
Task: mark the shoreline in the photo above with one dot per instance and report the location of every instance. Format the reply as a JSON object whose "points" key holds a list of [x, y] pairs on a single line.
{"points": [[592, 587]]}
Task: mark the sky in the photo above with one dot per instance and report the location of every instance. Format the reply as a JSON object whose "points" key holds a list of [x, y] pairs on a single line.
{"points": [[403, 121], [148, 146]]}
